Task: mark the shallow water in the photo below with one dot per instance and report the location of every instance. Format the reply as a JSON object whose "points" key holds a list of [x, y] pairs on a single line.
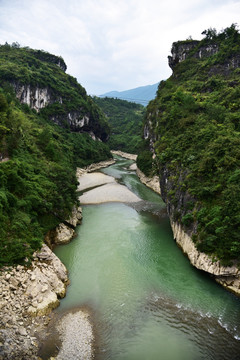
{"points": [[149, 303]]}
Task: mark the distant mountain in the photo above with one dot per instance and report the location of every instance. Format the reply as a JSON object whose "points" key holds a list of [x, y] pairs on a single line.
{"points": [[140, 95]]}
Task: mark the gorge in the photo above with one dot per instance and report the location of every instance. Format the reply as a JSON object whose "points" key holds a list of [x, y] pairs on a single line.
{"points": [[145, 298], [127, 276]]}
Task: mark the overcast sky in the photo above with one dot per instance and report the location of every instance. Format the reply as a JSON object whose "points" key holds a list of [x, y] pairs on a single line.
{"points": [[112, 44]]}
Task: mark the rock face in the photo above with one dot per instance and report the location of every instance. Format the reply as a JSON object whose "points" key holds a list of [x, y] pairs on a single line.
{"points": [[229, 276], [26, 293], [35, 97], [76, 120], [177, 205], [65, 231], [181, 50], [153, 183], [43, 85]]}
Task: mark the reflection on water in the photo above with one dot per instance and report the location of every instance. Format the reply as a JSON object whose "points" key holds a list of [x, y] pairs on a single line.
{"points": [[148, 302]]}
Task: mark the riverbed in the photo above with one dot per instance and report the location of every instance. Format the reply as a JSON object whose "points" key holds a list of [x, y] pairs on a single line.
{"points": [[147, 301]]}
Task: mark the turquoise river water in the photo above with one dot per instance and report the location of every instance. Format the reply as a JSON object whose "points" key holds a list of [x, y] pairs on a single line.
{"points": [[147, 301]]}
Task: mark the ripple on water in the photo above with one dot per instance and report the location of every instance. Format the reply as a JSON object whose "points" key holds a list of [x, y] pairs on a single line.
{"points": [[148, 300]]}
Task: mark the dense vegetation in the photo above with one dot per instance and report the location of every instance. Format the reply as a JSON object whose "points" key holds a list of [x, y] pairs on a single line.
{"points": [[125, 119], [196, 121], [38, 161], [39, 69]]}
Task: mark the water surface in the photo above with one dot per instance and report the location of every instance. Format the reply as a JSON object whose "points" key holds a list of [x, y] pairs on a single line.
{"points": [[148, 302]]}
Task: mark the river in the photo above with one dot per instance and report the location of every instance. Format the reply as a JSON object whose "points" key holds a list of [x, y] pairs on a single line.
{"points": [[147, 301]]}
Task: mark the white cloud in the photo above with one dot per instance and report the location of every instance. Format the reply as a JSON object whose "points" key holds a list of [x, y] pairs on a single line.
{"points": [[112, 44]]}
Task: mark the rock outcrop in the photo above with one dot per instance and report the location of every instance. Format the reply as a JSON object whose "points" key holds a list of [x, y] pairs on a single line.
{"points": [[153, 182], [228, 276], [65, 231], [173, 177], [38, 98], [39, 81], [26, 293], [35, 97], [181, 50]]}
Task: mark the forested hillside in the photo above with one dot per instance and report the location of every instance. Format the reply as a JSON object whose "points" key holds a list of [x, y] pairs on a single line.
{"points": [[126, 123], [38, 158], [194, 127]]}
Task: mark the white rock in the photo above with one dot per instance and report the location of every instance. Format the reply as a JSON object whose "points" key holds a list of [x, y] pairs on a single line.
{"points": [[64, 234], [204, 262]]}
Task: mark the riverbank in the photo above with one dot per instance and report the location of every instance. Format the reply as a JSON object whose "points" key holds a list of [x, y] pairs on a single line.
{"points": [[124, 155], [28, 295], [76, 335], [103, 188], [151, 182], [228, 277]]}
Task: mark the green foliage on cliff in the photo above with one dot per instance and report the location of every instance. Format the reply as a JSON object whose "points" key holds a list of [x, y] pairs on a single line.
{"points": [[39, 69], [145, 162], [196, 119], [38, 161], [125, 119]]}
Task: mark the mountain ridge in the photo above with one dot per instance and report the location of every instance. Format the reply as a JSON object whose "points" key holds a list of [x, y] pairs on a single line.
{"points": [[140, 95]]}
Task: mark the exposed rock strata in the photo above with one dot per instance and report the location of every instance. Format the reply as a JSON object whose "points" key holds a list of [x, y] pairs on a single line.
{"points": [[181, 50], [65, 231], [35, 97], [27, 293], [152, 183], [229, 276]]}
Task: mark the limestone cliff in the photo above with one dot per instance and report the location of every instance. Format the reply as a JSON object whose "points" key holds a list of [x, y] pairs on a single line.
{"points": [[190, 133], [35, 97], [39, 81], [229, 276], [182, 50]]}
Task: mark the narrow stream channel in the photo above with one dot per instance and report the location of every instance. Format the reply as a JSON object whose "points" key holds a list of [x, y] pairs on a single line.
{"points": [[148, 302]]}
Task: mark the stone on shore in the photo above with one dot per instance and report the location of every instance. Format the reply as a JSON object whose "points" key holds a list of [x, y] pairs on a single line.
{"points": [[125, 155], [24, 293], [77, 337], [64, 232]]}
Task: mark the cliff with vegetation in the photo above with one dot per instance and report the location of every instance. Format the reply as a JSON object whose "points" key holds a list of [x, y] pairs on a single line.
{"points": [[193, 129], [49, 127]]}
